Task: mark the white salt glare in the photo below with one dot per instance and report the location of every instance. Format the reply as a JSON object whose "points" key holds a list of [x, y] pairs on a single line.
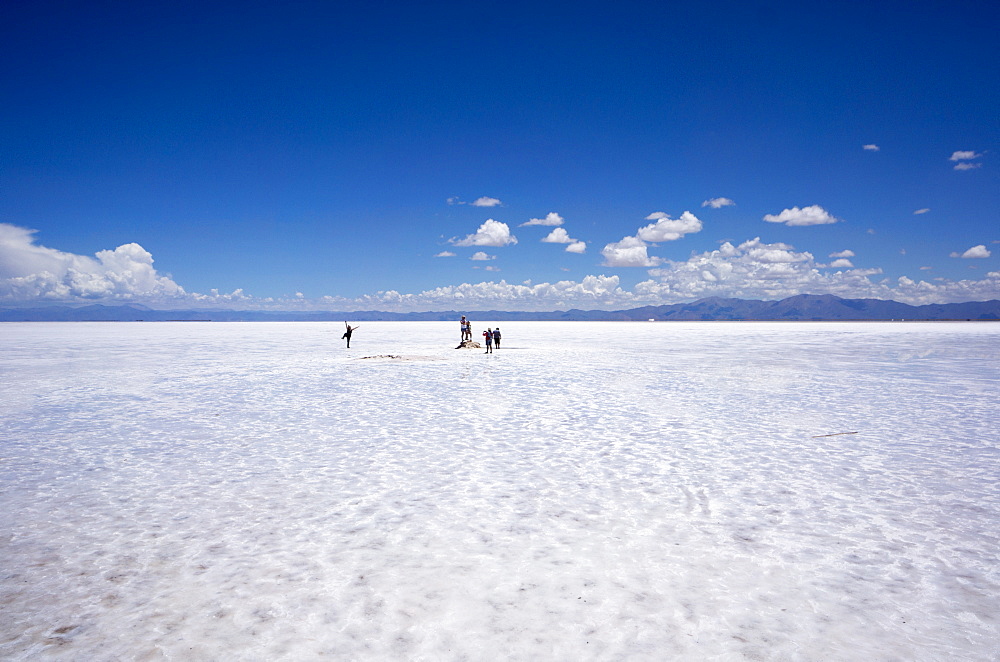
{"points": [[590, 491]]}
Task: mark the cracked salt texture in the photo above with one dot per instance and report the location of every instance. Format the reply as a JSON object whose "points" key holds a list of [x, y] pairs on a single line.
{"points": [[591, 491]]}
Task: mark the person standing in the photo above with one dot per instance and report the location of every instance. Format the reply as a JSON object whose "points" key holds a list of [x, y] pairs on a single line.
{"points": [[468, 330], [488, 335], [464, 324], [347, 334], [496, 337]]}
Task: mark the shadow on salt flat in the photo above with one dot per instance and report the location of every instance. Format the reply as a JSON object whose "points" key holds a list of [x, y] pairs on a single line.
{"points": [[399, 357]]}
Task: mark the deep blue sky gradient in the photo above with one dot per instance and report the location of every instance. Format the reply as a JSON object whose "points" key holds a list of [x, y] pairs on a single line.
{"points": [[312, 147]]}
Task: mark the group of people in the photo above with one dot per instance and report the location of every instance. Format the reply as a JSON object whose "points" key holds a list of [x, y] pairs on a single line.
{"points": [[491, 335]]}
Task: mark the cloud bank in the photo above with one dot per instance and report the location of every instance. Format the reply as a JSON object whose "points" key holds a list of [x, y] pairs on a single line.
{"points": [[31, 274], [29, 271], [754, 270]]}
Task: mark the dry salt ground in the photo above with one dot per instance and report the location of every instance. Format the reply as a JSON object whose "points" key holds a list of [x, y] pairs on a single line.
{"points": [[591, 491]]}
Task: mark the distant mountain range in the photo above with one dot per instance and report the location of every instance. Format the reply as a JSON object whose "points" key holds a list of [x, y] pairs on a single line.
{"points": [[804, 307]]}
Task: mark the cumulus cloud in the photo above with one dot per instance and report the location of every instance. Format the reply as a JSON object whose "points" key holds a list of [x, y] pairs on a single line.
{"points": [[558, 236], [753, 269], [445, 254], [812, 215], [775, 254], [870, 148], [29, 271], [600, 292], [844, 253], [968, 166], [632, 251], [550, 219], [490, 233], [480, 256], [486, 201], [629, 252], [716, 203], [979, 251], [921, 211], [842, 263], [668, 229], [750, 271]]}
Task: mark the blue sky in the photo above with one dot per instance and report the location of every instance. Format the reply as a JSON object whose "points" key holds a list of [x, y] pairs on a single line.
{"points": [[392, 155]]}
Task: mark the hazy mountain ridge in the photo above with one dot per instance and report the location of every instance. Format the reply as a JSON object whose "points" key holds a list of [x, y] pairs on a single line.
{"points": [[803, 307]]}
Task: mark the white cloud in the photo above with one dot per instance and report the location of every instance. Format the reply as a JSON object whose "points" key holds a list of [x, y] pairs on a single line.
{"points": [[844, 253], [486, 202], [629, 252], [490, 233], [601, 292], [716, 203], [812, 215], [558, 236], [963, 156], [730, 271], [753, 269], [870, 148], [775, 254], [921, 211], [739, 271], [550, 219], [480, 256], [445, 254], [842, 263], [491, 268], [979, 251], [29, 272], [632, 251], [667, 229]]}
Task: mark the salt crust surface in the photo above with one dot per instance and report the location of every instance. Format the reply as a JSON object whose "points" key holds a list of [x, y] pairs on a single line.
{"points": [[591, 491]]}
